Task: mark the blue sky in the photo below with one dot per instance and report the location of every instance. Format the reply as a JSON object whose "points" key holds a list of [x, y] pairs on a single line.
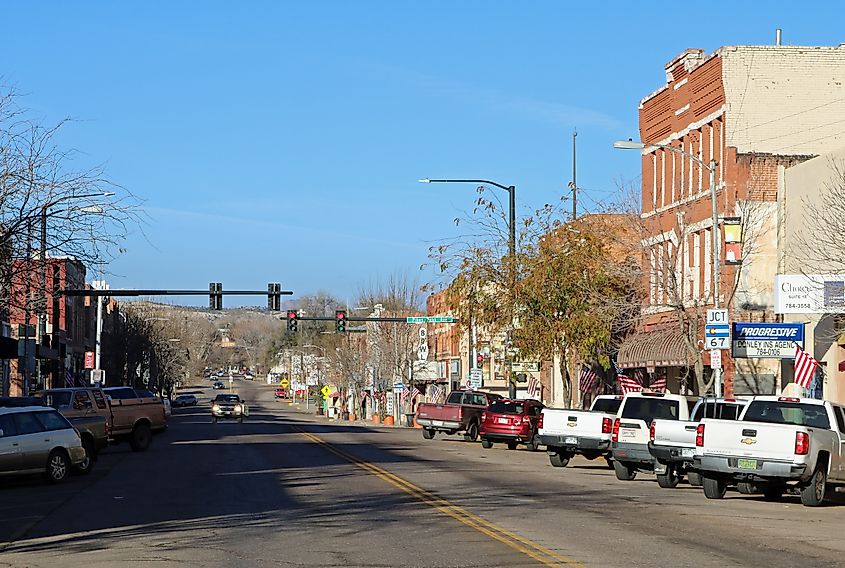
{"points": [[282, 141]]}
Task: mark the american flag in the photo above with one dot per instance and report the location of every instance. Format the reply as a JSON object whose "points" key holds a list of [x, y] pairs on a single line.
{"points": [[413, 394], [658, 384], [69, 377], [805, 368], [533, 387], [436, 394], [587, 380]]}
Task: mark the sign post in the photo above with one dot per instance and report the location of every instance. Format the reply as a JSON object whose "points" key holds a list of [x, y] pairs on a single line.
{"points": [[716, 337]]}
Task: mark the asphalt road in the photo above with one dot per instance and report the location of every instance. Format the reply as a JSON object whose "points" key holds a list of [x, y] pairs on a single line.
{"points": [[291, 489]]}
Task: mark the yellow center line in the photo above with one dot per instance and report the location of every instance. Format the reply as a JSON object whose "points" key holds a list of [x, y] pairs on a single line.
{"points": [[529, 548]]}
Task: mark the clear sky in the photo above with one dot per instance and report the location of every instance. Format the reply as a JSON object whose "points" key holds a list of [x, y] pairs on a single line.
{"points": [[282, 141]]}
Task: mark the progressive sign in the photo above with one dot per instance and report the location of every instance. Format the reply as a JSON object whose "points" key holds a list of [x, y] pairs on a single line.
{"points": [[766, 340]]}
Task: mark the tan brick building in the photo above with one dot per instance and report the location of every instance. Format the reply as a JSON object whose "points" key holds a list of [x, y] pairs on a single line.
{"points": [[751, 109]]}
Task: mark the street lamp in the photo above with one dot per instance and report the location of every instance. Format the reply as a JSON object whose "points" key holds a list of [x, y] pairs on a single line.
{"points": [[711, 167], [511, 245], [42, 305]]}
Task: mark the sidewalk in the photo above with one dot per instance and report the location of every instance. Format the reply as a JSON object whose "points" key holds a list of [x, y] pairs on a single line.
{"points": [[312, 411]]}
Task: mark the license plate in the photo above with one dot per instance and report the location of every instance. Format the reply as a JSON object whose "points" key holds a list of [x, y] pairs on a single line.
{"points": [[627, 434], [437, 422], [746, 464], [570, 440], [502, 420], [687, 452]]}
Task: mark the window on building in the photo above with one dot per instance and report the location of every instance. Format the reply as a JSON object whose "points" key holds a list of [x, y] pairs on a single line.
{"points": [[652, 277], [700, 157], [663, 178], [696, 264], [654, 181], [708, 266], [674, 173]]}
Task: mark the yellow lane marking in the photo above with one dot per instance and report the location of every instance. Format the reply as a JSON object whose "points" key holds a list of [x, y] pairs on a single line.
{"points": [[532, 549]]}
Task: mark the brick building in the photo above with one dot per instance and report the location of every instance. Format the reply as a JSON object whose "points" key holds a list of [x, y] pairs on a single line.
{"points": [[752, 109]]}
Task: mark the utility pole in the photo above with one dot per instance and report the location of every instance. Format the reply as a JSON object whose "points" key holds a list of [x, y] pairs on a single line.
{"points": [[573, 185]]}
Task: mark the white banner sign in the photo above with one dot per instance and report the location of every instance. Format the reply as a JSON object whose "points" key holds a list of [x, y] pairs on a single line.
{"points": [[809, 294]]}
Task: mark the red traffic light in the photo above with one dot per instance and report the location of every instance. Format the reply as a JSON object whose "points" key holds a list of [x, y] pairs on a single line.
{"points": [[291, 314], [340, 315]]}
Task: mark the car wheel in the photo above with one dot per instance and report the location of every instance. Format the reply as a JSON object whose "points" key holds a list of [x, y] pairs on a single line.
{"points": [[713, 488], [486, 444], [512, 445], [668, 480], [624, 472], [140, 438], [812, 494], [428, 433], [559, 459], [58, 465], [694, 478], [85, 467], [471, 434]]}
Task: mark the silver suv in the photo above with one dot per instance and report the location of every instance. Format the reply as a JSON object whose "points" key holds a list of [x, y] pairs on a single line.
{"points": [[36, 439]]}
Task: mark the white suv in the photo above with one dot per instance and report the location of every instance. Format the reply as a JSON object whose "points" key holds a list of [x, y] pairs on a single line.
{"points": [[37, 439]]}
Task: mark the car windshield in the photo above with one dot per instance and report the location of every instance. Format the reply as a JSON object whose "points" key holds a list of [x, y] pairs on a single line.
{"points": [[58, 399], [227, 398], [507, 407], [647, 409], [779, 412], [609, 405]]}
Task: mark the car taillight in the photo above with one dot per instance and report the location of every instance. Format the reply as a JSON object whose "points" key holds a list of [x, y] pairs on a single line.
{"points": [[699, 436], [616, 430], [802, 444], [651, 432], [606, 425], [540, 421]]}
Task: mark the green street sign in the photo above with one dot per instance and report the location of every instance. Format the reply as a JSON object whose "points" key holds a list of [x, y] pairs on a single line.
{"points": [[431, 319]]}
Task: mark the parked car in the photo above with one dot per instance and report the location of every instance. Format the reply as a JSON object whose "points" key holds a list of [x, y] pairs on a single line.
{"points": [[281, 393], [218, 385], [567, 432], [185, 400], [672, 442], [135, 416], [778, 443], [631, 428], [37, 439], [228, 406], [88, 411], [512, 422], [460, 413]]}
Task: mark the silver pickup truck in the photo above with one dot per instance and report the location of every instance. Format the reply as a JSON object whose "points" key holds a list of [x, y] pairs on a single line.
{"points": [[672, 442]]}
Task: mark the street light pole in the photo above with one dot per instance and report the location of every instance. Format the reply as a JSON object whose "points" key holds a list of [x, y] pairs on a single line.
{"points": [[511, 189], [716, 261]]}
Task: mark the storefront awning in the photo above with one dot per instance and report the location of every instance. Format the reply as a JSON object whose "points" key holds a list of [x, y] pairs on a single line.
{"points": [[654, 349]]}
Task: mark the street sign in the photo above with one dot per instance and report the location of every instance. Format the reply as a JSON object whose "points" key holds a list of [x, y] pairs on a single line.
{"points": [[430, 319], [398, 387], [715, 358], [717, 316], [717, 330], [423, 334], [284, 383], [474, 381], [326, 391], [525, 367], [89, 359], [717, 342], [98, 376], [422, 352]]}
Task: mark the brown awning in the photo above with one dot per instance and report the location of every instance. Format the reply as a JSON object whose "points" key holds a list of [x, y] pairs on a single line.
{"points": [[654, 349]]}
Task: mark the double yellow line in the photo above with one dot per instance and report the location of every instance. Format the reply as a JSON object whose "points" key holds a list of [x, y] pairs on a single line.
{"points": [[532, 549]]}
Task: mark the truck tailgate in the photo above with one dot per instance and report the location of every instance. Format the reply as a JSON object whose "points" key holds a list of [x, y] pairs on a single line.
{"points": [[444, 412], [757, 439], [557, 422], [675, 433]]}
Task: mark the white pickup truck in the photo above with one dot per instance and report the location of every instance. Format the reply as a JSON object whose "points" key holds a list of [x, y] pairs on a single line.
{"points": [[631, 429], [673, 441], [567, 432], [779, 443]]}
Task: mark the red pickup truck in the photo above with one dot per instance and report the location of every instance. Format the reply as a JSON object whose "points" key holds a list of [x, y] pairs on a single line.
{"points": [[460, 413]]}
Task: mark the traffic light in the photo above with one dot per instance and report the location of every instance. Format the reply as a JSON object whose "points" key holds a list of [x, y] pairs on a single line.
{"points": [[479, 360], [215, 296], [274, 297], [340, 320], [293, 320]]}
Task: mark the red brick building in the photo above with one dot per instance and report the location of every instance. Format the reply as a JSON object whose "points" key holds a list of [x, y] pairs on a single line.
{"points": [[754, 110]]}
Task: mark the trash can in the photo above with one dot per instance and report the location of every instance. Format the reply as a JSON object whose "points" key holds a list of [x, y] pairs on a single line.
{"points": [[409, 419]]}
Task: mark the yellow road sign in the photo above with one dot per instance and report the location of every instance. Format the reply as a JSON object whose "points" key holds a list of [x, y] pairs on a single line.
{"points": [[325, 390], [285, 383]]}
